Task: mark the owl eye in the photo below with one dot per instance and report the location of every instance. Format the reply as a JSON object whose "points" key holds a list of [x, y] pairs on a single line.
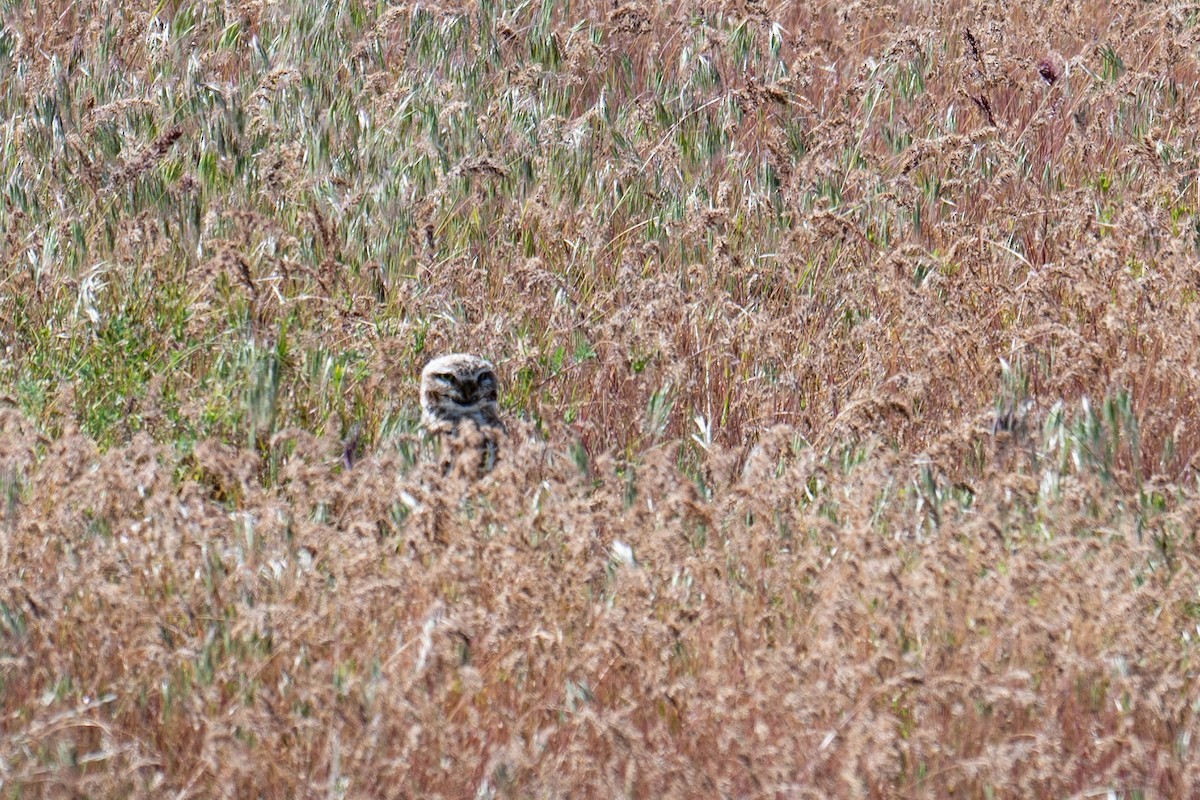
{"points": [[447, 377], [487, 377]]}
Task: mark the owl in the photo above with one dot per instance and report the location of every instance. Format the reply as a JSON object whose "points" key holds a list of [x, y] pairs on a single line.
{"points": [[458, 387]]}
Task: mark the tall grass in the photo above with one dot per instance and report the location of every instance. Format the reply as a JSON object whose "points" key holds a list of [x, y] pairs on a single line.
{"points": [[847, 349]]}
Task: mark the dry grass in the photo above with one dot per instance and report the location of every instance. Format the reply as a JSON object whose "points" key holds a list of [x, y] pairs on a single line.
{"points": [[849, 357]]}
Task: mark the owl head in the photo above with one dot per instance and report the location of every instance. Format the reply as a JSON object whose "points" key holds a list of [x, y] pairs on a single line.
{"points": [[457, 387]]}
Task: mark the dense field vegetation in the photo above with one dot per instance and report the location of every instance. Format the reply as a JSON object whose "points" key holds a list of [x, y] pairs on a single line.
{"points": [[849, 358]]}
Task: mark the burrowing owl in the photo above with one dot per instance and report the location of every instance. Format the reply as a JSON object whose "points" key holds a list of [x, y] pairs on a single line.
{"points": [[456, 387]]}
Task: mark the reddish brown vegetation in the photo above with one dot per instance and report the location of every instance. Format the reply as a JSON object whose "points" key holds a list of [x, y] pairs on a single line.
{"points": [[860, 340], [395, 634]]}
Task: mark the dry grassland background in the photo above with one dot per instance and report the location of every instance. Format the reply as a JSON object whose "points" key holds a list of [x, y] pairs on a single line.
{"points": [[849, 357]]}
